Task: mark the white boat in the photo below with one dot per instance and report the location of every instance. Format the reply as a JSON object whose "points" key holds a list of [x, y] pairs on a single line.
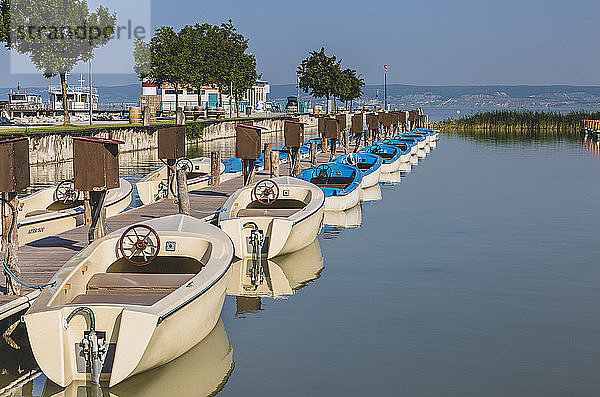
{"points": [[340, 183], [205, 369], [155, 186], [273, 217], [55, 210], [131, 301], [348, 219], [277, 277]]}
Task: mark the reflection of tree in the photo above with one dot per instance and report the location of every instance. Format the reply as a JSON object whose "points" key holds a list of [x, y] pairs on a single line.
{"points": [[56, 35]]}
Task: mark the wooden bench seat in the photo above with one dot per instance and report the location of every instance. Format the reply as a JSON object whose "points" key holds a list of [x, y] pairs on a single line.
{"points": [[276, 213], [114, 299], [136, 283]]}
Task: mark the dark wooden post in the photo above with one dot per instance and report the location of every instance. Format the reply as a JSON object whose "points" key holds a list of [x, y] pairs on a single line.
{"points": [[146, 117], [215, 168], [10, 243], [98, 225], [324, 145], [267, 153], [183, 196], [275, 163], [313, 153], [14, 176], [295, 166]]}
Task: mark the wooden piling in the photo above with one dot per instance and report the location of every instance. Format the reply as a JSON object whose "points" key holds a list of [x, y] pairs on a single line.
{"points": [[183, 196], [313, 153], [267, 153], [215, 168], [275, 163], [10, 243], [324, 145]]}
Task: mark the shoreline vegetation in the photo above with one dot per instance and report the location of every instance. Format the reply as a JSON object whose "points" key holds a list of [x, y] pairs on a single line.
{"points": [[521, 122]]}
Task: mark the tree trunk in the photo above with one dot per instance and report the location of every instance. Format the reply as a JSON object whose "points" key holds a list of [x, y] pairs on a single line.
{"points": [[237, 106], [63, 84], [176, 97]]}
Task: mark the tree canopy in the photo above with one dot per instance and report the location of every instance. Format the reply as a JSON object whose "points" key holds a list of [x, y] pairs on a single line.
{"points": [[322, 77], [197, 56], [58, 34]]}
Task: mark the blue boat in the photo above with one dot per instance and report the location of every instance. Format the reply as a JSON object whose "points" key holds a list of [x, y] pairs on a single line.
{"points": [[391, 156], [368, 163], [340, 183]]}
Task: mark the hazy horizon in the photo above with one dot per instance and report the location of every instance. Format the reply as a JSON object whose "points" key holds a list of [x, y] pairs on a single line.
{"points": [[431, 43]]}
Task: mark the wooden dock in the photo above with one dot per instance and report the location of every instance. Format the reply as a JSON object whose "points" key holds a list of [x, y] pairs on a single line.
{"points": [[40, 260]]}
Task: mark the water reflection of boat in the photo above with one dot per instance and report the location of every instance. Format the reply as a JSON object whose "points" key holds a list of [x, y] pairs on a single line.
{"points": [[277, 277], [393, 178], [118, 308], [372, 193], [348, 219], [202, 371]]}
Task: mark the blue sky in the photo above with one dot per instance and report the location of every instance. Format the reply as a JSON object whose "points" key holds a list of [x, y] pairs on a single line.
{"points": [[423, 42]]}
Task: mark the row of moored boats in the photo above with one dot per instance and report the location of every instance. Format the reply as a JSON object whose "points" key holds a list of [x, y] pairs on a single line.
{"points": [[148, 293]]}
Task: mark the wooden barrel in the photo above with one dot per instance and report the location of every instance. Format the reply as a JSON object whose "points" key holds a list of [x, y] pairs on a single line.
{"points": [[212, 113], [153, 112], [135, 115], [189, 113]]}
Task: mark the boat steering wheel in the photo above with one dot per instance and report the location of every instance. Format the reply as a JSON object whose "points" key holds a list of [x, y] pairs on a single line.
{"points": [[266, 192], [65, 193], [352, 159], [139, 241], [186, 165], [322, 171]]}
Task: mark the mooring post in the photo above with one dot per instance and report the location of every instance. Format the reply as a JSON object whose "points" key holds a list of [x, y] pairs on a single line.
{"points": [[97, 228], [146, 117], [324, 145], [179, 117], [275, 163], [215, 168], [267, 153], [10, 242], [295, 166], [183, 196], [313, 153]]}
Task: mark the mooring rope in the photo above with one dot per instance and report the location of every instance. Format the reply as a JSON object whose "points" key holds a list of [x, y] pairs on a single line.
{"points": [[12, 276]]}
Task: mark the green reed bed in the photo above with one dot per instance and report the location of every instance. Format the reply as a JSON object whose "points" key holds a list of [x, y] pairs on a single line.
{"points": [[522, 122]]}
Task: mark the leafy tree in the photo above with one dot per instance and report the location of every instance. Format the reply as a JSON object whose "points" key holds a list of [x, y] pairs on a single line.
{"points": [[58, 34], [142, 58], [319, 74], [168, 60], [5, 21], [350, 86], [234, 71]]}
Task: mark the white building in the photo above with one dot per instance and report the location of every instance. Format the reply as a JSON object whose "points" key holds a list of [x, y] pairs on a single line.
{"points": [[209, 97]]}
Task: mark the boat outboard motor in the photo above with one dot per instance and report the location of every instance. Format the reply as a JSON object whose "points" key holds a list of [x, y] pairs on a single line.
{"points": [[257, 241], [94, 346]]}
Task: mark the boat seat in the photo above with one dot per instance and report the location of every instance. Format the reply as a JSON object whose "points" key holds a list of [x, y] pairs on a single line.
{"points": [[128, 299], [332, 185], [275, 212], [136, 283], [37, 212]]}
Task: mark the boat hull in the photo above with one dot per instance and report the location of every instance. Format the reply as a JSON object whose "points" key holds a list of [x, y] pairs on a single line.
{"points": [[342, 203]]}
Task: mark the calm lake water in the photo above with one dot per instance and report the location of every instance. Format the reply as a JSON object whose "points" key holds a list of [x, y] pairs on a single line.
{"points": [[478, 274]]}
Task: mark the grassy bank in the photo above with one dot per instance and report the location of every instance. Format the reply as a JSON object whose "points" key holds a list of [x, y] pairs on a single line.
{"points": [[524, 122]]}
